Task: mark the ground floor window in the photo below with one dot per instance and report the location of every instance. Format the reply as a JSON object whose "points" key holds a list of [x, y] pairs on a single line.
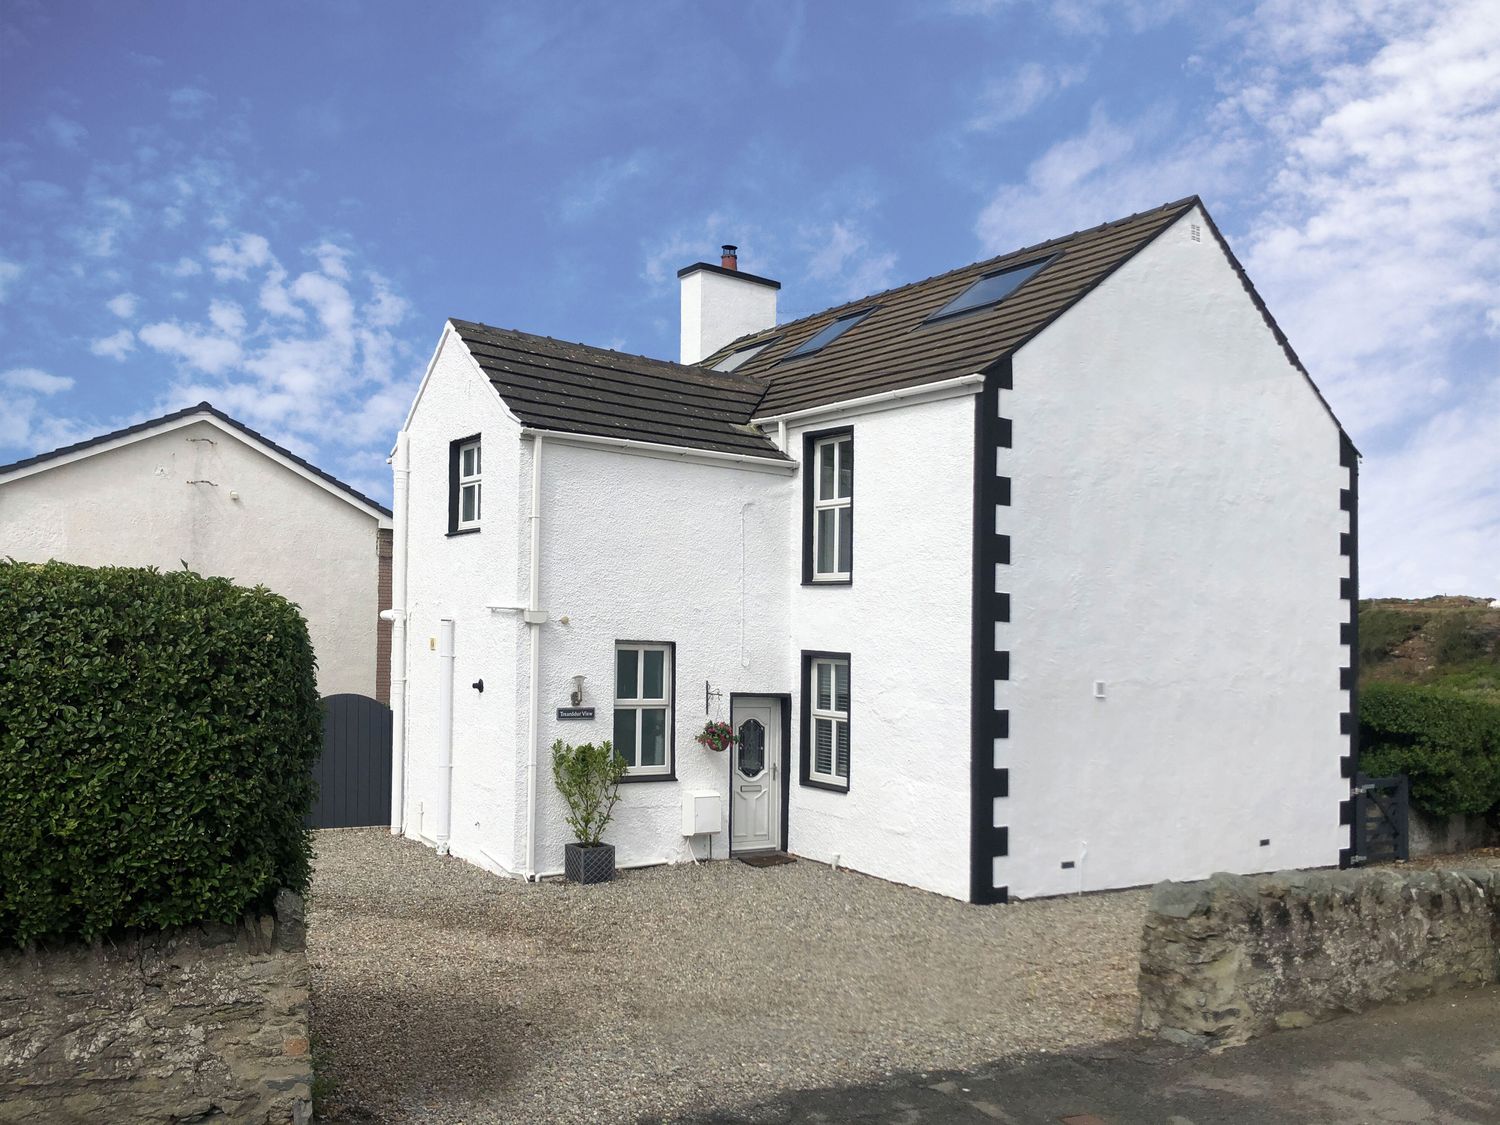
{"points": [[643, 708], [825, 720]]}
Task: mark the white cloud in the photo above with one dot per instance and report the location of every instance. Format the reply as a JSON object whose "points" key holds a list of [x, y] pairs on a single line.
{"points": [[115, 346], [65, 133], [593, 189], [184, 267], [227, 317], [123, 305], [10, 273], [842, 259], [36, 380], [1016, 94], [235, 258], [189, 102], [331, 260], [206, 351]]}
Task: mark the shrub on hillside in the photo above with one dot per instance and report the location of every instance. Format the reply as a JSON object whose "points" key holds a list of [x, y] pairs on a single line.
{"points": [[157, 733], [1446, 742], [1457, 640], [1382, 630]]}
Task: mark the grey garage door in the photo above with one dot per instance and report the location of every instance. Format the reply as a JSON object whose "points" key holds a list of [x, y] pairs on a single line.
{"points": [[354, 773]]}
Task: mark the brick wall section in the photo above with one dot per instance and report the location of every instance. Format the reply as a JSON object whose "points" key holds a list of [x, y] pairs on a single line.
{"points": [[188, 1024], [383, 630], [1233, 957]]}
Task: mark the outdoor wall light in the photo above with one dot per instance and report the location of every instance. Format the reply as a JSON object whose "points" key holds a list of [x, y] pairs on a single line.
{"points": [[578, 689]]}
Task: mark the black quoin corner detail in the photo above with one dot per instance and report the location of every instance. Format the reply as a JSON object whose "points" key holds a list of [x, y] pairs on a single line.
{"points": [[1349, 635], [809, 483], [453, 448], [987, 841]]}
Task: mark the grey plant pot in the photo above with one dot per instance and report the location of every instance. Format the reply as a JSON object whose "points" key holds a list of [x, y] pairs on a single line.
{"points": [[582, 864]]}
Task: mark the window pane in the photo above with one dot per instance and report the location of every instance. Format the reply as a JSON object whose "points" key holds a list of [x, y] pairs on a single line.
{"points": [[467, 499], [477, 507], [825, 471], [823, 746], [476, 459], [841, 688], [825, 682], [654, 736], [846, 539], [826, 540], [846, 467], [468, 461], [627, 664], [842, 759], [655, 675], [625, 733]]}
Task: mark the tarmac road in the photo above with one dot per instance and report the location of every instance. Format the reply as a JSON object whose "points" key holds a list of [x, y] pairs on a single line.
{"points": [[1434, 1060]]}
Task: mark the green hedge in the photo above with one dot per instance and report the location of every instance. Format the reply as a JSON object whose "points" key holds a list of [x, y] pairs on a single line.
{"points": [[1446, 742], [157, 733]]}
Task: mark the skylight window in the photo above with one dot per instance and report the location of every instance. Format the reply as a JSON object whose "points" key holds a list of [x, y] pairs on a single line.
{"points": [[990, 289], [829, 334], [735, 360]]}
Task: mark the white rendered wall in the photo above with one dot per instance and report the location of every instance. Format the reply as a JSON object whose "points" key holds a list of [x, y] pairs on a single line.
{"points": [[646, 549], [905, 621], [133, 505], [717, 308], [1175, 533], [456, 576]]}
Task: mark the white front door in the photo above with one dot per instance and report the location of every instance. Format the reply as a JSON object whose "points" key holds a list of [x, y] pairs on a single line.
{"points": [[755, 775]]}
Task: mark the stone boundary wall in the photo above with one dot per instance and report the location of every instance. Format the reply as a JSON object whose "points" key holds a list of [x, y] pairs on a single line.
{"points": [[1236, 956], [194, 1023]]}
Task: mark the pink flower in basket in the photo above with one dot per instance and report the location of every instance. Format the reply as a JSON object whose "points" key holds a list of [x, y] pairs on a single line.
{"points": [[715, 736]]}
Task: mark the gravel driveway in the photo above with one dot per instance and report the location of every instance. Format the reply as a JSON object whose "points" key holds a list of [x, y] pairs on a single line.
{"points": [[444, 994]]}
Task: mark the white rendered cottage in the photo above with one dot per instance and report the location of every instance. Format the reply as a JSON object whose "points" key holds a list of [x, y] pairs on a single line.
{"points": [[1030, 578]]}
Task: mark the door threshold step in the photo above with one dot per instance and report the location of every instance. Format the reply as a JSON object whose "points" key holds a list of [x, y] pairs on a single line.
{"points": [[766, 859]]}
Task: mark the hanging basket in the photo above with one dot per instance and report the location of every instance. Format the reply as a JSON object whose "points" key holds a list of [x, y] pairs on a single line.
{"points": [[715, 736]]}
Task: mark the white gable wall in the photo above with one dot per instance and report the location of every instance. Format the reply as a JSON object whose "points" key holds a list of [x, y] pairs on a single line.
{"points": [[905, 621], [250, 518], [1175, 533], [456, 576]]}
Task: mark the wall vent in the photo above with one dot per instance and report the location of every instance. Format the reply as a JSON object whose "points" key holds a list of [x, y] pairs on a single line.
{"points": [[1195, 232]]}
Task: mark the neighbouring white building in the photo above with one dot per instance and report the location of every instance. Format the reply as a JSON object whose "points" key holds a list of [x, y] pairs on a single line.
{"points": [[198, 487], [1030, 578]]}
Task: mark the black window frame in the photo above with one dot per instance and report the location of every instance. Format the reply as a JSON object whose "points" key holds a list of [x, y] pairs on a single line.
{"points": [[671, 647], [805, 777], [810, 442], [454, 447]]}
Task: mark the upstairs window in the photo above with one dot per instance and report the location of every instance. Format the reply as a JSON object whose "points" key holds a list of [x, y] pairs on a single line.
{"points": [[990, 289], [825, 723], [828, 502], [464, 472], [643, 708], [828, 334]]}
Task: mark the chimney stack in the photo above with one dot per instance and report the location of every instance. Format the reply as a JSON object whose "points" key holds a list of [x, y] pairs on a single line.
{"points": [[721, 303]]}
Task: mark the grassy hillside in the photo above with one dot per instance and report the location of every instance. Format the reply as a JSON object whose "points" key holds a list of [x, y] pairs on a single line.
{"points": [[1449, 642]]}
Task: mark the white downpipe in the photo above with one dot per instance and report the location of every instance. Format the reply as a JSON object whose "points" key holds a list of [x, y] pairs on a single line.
{"points": [[445, 734], [534, 624], [400, 468]]}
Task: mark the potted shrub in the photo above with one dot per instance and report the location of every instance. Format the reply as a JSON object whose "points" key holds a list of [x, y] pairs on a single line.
{"points": [[588, 777]]}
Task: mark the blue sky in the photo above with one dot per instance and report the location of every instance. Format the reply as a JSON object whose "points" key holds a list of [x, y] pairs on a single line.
{"points": [[274, 206]]}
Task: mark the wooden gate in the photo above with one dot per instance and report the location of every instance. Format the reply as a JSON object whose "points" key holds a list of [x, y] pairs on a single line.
{"points": [[354, 772], [1380, 815]]}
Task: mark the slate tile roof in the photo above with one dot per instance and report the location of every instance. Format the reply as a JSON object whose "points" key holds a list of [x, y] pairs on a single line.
{"points": [[895, 348], [574, 388]]}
